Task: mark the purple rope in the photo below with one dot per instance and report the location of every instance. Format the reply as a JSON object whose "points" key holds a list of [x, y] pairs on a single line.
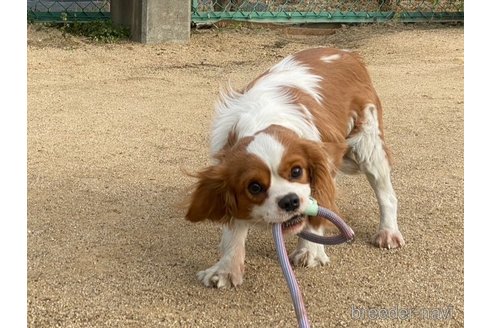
{"points": [[346, 234], [289, 276]]}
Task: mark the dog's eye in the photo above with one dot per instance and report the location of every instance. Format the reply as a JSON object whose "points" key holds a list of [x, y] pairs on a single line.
{"points": [[296, 172], [255, 188]]}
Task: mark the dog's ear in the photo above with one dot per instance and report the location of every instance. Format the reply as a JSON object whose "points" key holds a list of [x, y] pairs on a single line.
{"points": [[212, 197], [323, 160]]}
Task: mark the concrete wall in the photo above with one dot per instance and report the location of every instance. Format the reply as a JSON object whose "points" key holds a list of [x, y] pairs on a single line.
{"points": [[154, 21]]}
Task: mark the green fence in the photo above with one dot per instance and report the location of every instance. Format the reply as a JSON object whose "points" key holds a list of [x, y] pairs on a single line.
{"points": [[277, 11], [327, 11], [56, 11]]}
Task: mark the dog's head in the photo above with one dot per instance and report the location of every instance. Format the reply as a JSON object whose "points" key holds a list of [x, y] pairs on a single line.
{"points": [[267, 177]]}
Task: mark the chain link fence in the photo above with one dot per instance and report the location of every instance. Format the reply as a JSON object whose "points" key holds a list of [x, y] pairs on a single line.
{"points": [[276, 11], [327, 11], [58, 11]]}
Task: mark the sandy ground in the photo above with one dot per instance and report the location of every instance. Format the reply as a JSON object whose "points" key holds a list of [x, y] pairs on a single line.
{"points": [[110, 128]]}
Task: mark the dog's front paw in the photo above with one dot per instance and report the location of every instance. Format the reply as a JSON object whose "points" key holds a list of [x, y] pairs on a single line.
{"points": [[220, 277], [388, 238], [307, 257]]}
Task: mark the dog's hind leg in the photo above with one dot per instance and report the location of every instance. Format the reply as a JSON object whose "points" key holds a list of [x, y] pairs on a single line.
{"points": [[367, 149]]}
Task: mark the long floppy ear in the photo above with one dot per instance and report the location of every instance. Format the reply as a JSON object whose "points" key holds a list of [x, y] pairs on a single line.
{"points": [[211, 198], [323, 161]]}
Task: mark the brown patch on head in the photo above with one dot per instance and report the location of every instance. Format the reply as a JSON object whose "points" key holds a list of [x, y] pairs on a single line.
{"points": [[294, 167], [318, 161], [251, 183]]}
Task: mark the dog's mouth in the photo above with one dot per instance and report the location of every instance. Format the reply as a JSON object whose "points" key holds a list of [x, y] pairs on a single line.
{"points": [[294, 225]]}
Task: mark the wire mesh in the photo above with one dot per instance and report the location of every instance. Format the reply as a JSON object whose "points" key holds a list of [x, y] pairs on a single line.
{"points": [[68, 10], [280, 11], [334, 11]]}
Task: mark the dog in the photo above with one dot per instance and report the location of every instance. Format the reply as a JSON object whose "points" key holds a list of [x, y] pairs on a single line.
{"points": [[282, 139]]}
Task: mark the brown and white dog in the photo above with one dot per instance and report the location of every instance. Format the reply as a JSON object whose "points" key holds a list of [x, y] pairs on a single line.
{"points": [[281, 140]]}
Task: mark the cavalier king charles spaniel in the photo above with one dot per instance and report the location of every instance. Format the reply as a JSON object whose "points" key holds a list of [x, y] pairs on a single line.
{"points": [[281, 140]]}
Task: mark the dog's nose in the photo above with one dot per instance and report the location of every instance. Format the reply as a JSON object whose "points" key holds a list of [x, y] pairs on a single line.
{"points": [[289, 202]]}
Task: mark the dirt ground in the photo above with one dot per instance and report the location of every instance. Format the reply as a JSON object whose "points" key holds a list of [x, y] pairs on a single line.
{"points": [[110, 128]]}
